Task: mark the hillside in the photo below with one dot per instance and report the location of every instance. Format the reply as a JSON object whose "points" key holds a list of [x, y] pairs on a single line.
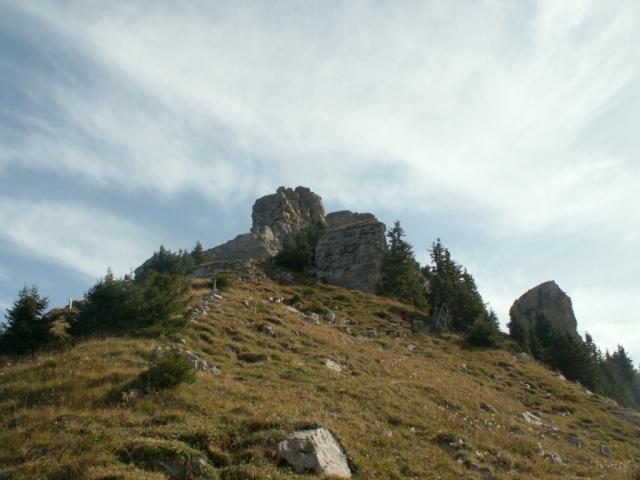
{"points": [[405, 405]]}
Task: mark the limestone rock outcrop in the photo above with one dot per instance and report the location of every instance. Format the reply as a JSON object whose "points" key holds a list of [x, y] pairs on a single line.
{"points": [[351, 251], [315, 451], [549, 301], [275, 218]]}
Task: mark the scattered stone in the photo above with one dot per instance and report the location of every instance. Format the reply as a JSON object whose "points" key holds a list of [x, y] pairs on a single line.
{"points": [[488, 408], [332, 365], [605, 451], [484, 472], [313, 319], [372, 332], [552, 431], [522, 356], [329, 316], [532, 418], [247, 304], [268, 329], [253, 357], [575, 440], [551, 456], [412, 347], [315, 451], [464, 368]]}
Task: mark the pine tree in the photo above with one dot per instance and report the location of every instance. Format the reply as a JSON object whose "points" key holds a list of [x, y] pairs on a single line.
{"points": [[542, 339], [106, 308], [485, 331], [198, 254], [153, 304], [615, 385], [454, 287], [624, 364], [519, 333], [27, 328], [401, 276]]}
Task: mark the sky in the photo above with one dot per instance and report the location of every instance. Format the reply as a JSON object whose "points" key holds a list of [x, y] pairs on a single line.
{"points": [[507, 129]]}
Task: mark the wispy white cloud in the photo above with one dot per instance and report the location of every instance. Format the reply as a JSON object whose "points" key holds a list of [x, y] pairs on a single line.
{"points": [[81, 239], [482, 106]]}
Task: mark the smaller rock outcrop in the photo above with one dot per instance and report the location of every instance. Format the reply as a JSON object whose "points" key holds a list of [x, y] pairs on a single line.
{"points": [[315, 451], [351, 251], [547, 300]]}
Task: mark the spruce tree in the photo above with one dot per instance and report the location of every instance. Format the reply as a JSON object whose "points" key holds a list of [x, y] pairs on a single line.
{"points": [[198, 254], [485, 331], [401, 276], [519, 333], [452, 286], [27, 328]]}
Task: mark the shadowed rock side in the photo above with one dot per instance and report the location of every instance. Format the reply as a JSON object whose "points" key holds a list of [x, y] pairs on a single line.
{"points": [[549, 301], [275, 218], [351, 251]]}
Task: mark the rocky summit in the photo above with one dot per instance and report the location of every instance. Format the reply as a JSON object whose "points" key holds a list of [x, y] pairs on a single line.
{"points": [[275, 218], [350, 250], [547, 300]]}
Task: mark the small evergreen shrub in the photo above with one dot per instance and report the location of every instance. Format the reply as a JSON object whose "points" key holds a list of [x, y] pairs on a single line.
{"points": [[222, 282], [483, 333], [169, 370]]}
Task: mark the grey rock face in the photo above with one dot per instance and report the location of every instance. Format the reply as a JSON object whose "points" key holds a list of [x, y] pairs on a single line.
{"points": [[345, 217], [351, 251], [315, 451], [545, 300], [275, 218], [287, 211]]}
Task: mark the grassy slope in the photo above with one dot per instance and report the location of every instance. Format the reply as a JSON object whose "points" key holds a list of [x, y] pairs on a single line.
{"points": [[395, 410]]}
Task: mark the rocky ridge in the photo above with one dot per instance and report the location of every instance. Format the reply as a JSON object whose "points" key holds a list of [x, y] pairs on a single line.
{"points": [[349, 252]]}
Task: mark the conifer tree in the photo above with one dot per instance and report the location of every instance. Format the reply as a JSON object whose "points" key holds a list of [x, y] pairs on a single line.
{"points": [[198, 254], [452, 286], [27, 328], [401, 276], [485, 331], [519, 333]]}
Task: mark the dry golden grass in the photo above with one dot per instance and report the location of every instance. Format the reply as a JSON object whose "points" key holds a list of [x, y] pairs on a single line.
{"points": [[400, 413]]}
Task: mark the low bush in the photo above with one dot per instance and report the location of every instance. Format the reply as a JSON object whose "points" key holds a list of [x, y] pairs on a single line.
{"points": [[484, 332], [169, 370], [222, 282]]}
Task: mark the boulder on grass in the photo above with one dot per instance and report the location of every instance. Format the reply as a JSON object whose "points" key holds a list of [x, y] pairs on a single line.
{"points": [[316, 451]]}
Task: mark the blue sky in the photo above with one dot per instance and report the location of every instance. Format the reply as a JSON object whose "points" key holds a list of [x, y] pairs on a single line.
{"points": [[508, 129]]}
